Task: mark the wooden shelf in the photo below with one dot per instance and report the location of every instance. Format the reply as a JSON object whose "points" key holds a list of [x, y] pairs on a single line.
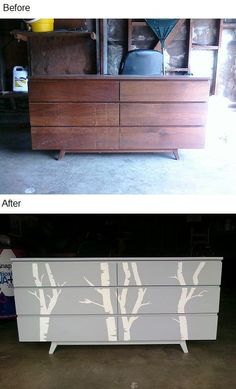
{"points": [[24, 35], [177, 70], [135, 23], [204, 47], [10, 94], [229, 25]]}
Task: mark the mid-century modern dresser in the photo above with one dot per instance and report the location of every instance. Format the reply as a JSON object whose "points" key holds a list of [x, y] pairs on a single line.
{"points": [[94, 113], [117, 300]]}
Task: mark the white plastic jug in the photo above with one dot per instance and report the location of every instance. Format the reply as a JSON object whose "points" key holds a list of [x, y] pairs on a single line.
{"points": [[20, 79]]}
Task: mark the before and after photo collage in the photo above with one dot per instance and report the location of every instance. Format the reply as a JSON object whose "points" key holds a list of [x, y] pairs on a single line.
{"points": [[117, 196]]}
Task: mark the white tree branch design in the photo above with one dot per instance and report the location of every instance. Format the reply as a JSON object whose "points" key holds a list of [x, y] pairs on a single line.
{"points": [[47, 302], [127, 321], [186, 295], [106, 303]]}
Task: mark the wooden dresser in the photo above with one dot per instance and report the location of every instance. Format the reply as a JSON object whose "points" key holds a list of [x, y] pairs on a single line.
{"points": [[93, 113], [117, 300]]}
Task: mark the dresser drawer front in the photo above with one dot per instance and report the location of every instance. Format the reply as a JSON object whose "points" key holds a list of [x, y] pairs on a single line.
{"points": [[165, 273], [69, 328], [80, 300], [167, 327], [164, 90], [74, 90], [169, 114], [64, 273], [152, 300], [75, 138], [67, 300], [151, 138], [74, 114]]}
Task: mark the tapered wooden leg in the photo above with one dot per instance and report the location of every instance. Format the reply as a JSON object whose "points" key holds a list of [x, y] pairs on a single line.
{"points": [[52, 347], [61, 155], [184, 347], [176, 154]]}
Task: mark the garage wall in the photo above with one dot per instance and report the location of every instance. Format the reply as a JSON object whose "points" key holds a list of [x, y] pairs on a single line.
{"points": [[227, 69], [201, 61], [204, 33], [12, 52]]}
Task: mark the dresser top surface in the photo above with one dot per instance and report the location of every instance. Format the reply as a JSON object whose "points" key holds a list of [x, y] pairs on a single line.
{"points": [[115, 259], [115, 77]]}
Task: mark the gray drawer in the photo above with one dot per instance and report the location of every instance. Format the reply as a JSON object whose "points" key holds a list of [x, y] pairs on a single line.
{"points": [[67, 300], [164, 299], [69, 328], [68, 273], [165, 273], [167, 327]]}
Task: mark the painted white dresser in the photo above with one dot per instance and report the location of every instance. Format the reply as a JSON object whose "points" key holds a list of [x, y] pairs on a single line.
{"points": [[117, 300]]}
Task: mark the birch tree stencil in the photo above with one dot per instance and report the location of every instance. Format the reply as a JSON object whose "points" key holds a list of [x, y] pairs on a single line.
{"points": [[187, 294], [47, 302], [106, 303], [127, 321]]}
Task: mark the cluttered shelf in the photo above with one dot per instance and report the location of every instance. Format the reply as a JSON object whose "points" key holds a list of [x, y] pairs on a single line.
{"points": [[25, 35]]}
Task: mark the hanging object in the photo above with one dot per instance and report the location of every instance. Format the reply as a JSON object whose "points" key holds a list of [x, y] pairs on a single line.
{"points": [[162, 28]]}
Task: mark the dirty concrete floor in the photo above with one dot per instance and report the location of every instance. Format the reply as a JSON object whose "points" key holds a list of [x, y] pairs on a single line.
{"points": [[209, 364], [205, 172]]}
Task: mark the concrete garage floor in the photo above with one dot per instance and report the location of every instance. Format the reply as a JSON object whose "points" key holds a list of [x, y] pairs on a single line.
{"points": [[209, 364], [209, 171]]}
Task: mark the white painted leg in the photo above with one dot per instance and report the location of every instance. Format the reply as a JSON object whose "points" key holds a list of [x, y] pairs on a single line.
{"points": [[183, 344], [52, 347]]}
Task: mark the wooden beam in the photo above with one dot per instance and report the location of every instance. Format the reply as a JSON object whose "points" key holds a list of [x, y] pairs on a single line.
{"points": [[216, 78], [101, 46], [172, 34], [98, 46], [190, 38], [104, 46], [129, 34]]}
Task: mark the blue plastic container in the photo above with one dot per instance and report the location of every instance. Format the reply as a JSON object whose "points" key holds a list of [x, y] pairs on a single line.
{"points": [[7, 301]]}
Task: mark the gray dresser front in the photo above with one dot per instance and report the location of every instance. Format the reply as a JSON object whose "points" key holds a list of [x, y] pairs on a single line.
{"points": [[117, 300]]}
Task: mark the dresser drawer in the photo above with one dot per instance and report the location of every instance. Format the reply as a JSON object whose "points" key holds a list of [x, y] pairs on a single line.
{"points": [[74, 114], [165, 273], [168, 114], [69, 328], [73, 90], [145, 300], [167, 327], [164, 91], [64, 273], [66, 300], [75, 138], [151, 138]]}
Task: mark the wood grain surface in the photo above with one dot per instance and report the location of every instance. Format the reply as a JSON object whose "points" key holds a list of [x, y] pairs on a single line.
{"points": [[118, 114], [168, 114], [164, 90], [74, 114], [141, 138], [81, 138], [74, 91]]}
